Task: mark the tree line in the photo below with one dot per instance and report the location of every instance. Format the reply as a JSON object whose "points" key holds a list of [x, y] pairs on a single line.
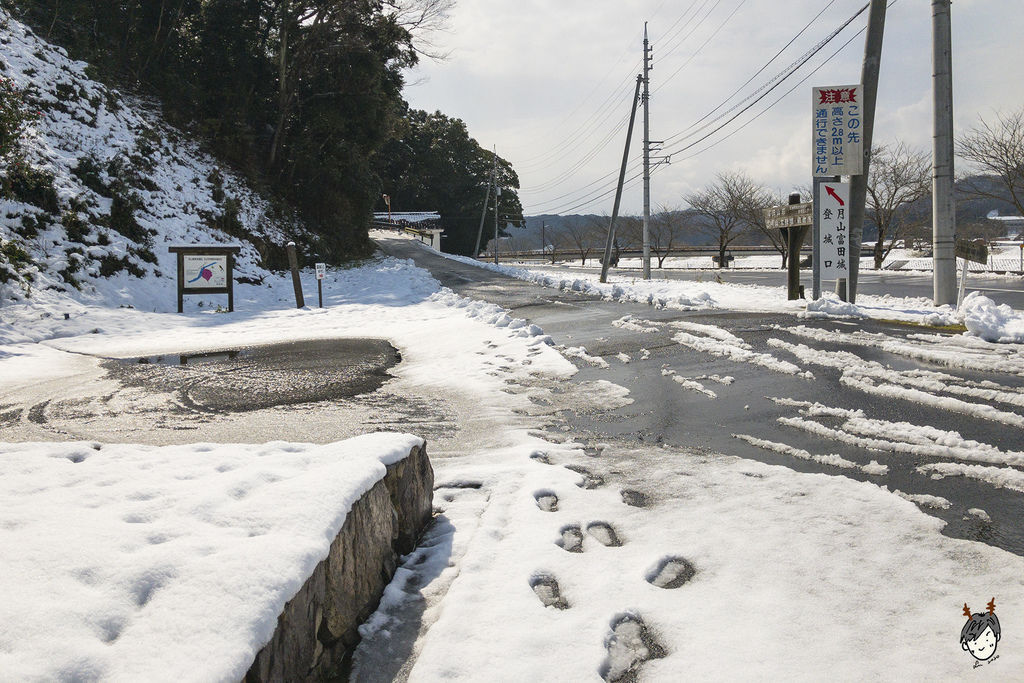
{"points": [[302, 96], [730, 209]]}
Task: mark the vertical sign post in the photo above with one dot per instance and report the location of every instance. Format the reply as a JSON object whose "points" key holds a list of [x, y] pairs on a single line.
{"points": [[833, 208], [321, 271]]}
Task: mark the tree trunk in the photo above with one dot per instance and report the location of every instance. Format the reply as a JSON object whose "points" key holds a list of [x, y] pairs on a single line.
{"points": [[282, 94], [879, 256]]}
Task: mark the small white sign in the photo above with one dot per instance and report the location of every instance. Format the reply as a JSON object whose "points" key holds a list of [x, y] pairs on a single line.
{"points": [[833, 207], [321, 271], [205, 271], [838, 146]]}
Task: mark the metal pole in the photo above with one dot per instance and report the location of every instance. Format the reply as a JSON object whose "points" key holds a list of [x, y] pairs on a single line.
{"points": [[647, 158], [618, 192], [943, 211], [859, 183]]}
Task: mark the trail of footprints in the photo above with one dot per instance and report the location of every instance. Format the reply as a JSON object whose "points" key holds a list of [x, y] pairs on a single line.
{"points": [[629, 643]]}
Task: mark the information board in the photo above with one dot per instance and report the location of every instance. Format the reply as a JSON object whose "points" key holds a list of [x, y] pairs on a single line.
{"points": [[206, 271], [321, 271]]}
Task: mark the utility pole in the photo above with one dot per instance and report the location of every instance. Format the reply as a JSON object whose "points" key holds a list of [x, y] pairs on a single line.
{"points": [[543, 242], [647, 157], [859, 183], [497, 200], [618, 192], [483, 217], [943, 207]]}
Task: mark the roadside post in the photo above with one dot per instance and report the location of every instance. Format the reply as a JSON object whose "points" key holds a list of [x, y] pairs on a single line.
{"points": [[293, 263], [321, 271], [968, 251], [205, 269], [792, 222]]}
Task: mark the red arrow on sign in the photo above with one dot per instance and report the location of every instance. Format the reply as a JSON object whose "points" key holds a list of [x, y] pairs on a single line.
{"points": [[835, 196]]}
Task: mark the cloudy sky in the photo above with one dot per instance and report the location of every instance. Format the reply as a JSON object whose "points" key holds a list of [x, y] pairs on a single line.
{"points": [[549, 83]]}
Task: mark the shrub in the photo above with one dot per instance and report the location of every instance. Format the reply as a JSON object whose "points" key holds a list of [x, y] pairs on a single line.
{"points": [[12, 259], [25, 183], [76, 229], [88, 171]]}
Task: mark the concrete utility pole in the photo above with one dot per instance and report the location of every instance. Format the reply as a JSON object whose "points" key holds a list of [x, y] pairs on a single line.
{"points": [[647, 157], [483, 217], [497, 200], [943, 207], [859, 183], [618, 192]]}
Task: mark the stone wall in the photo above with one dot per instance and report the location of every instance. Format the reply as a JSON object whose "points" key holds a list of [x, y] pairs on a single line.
{"points": [[317, 631]]}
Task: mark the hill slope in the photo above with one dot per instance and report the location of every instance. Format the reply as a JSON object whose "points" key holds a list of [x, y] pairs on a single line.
{"points": [[112, 187]]}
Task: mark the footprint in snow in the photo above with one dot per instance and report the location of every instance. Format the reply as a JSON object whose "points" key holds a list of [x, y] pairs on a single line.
{"points": [[629, 645], [546, 588], [634, 498], [671, 572], [541, 457], [572, 539], [546, 500], [590, 480], [604, 533]]}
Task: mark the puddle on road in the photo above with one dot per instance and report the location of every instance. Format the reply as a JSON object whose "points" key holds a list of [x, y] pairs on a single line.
{"points": [[258, 377]]}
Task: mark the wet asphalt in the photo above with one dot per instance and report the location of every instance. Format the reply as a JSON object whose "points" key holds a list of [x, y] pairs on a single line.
{"points": [[664, 415]]}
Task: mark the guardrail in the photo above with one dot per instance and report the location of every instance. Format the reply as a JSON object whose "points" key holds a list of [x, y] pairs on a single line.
{"points": [[687, 250]]}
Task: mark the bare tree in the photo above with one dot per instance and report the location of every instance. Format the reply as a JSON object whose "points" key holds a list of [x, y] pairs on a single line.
{"points": [[667, 228], [582, 237], [720, 205], [997, 149], [423, 19], [900, 175], [751, 200]]}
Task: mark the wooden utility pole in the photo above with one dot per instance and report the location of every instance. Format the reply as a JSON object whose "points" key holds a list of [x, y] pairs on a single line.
{"points": [[859, 183], [943, 207], [618, 192]]}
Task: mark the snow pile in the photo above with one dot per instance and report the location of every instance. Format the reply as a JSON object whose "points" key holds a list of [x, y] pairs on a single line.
{"points": [[138, 563], [127, 186], [719, 342], [688, 295], [993, 323]]}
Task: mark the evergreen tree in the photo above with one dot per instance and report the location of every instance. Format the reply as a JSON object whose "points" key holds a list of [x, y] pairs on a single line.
{"points": [[434, 165]]}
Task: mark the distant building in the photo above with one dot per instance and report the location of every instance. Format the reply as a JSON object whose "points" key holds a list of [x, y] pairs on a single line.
{"points": [[1013, 226], [425, 225]]}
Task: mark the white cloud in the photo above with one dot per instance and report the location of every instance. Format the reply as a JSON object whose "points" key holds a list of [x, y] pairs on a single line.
{"points": [[547, 82]]}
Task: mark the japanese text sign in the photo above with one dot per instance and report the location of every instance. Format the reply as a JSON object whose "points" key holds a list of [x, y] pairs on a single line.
{"points": [[321, 271], [833, 207], [838, 147]]}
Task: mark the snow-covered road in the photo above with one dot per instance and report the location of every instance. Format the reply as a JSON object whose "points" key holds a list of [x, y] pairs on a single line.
{"points": [[571, 543]]}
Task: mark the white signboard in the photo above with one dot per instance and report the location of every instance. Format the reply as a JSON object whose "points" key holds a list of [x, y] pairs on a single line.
{"points": [[205, 271], [838, 147], [321, 271], [833, 207]]}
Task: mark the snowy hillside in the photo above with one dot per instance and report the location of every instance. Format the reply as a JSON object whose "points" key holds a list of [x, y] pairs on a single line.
{"points": [[113, 186]]}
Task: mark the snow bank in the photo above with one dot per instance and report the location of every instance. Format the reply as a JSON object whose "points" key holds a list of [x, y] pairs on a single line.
{"points": [[130, 562], [993, 323]]}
